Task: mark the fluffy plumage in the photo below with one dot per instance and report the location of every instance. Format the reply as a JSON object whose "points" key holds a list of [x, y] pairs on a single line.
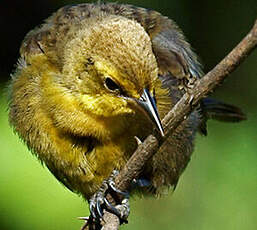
{"points": [[82, 125]]}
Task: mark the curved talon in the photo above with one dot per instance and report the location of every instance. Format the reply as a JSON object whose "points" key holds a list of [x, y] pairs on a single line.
{"points": [[121, 210], [139, 142], [108, 204], [98, 207], [111, 208], [95, 204], [98, 202], [187, 83], [92, 208], [112, 186]]}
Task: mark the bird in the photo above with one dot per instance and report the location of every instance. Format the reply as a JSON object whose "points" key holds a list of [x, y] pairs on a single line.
{"points": [[96, 77]]}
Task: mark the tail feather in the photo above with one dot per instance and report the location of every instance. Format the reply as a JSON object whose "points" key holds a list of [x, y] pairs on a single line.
{"points": [[221, 111], [217, 110]]}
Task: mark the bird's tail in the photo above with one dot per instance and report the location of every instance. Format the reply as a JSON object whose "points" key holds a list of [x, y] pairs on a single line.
{"points": [[217, 110]]}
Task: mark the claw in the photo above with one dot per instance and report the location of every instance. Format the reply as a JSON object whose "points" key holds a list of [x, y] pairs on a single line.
{"points": [[111, 208], [122, 210], [112, 186], [187, 83], [108, 204], [98, 208], [92, 208], [139, 142], [98, 202]]}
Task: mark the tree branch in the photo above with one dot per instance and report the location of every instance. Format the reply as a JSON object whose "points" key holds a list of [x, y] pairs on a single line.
{"points": [[180, 112]]}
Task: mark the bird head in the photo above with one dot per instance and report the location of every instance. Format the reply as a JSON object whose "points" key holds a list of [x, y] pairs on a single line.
{"points": [[110, 69]]}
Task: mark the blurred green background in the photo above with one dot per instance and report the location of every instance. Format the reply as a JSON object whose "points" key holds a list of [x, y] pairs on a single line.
{"points": [[218, 190]]}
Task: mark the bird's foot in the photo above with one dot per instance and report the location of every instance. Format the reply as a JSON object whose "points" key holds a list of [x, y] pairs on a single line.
{"points": [[187, 83], [98, 202]]}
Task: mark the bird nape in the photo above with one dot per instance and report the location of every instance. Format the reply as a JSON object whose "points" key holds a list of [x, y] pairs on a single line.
{"points": [[91, 79]]}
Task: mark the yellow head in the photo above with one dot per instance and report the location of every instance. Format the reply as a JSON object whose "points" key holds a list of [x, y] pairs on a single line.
{"points": [[109, 73]]}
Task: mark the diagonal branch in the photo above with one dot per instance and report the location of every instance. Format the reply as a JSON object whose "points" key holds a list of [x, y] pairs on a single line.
{"points": [[180, 112]]}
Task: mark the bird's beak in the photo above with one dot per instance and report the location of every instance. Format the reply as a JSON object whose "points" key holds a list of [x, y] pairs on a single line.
{"points": [[148, 105]]}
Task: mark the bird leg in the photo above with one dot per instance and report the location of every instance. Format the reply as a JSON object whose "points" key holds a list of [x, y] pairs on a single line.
{"points": [[98, 202], [187, 83]]}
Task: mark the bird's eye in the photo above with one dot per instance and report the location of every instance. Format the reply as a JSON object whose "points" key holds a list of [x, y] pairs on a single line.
{"points": [[111, 85]]}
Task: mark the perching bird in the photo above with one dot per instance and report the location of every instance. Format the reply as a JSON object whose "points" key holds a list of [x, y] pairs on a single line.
{"points": [[95, 76]]}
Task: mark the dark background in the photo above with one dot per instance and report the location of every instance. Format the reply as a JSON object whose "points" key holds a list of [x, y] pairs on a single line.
{"points": [[218, 189]]}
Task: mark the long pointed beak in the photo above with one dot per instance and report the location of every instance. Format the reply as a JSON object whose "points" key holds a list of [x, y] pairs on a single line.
{"points": [[147, 103]]}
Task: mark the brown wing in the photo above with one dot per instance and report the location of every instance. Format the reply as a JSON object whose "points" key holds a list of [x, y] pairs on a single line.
{"points": [[173, 53]]}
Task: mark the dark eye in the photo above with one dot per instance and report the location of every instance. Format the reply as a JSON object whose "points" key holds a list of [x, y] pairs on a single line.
{"points": [[111, 85]]}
